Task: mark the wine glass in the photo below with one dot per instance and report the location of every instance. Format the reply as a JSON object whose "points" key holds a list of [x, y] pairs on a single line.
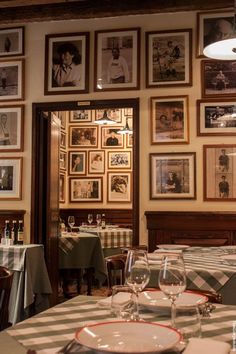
{"points": [[172, 279], [98, 219], [90, 218], [137, 274], [71, 222]]}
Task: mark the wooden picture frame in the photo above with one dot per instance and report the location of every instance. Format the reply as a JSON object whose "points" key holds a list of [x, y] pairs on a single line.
{"points": [[173, 175], [12, 80], [85, 189], [85, 136], [119, 187], [169, 58], [129, 140], [77, 162], [11, 128], [11, 178], [12, 41], [81, 116], [96, 162], [111, 139], [62, 186], [63, 116], [114, 114], [63, 140], [119, 159], [120, 46], [62, 160]]}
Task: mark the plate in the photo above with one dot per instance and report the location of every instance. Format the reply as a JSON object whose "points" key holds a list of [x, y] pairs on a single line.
{"points": [[155, 256], [128, 337], [173, 247], [230, 258]]}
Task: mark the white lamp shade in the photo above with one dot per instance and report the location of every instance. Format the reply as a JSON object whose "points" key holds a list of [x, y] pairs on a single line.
{"points": [[222, 50]]}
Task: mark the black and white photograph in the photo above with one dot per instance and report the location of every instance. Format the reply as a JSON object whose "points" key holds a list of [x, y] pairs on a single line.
{"points": [[63, 140], [85, 189], [77, 162], [81, 116], [119, 187], [10, 178], [11, 41], [119, 159], [11, 128], [114, 114], [86, 136], [96, 161], [11, 80], [62, 185], [111, 138], [62, 160]]}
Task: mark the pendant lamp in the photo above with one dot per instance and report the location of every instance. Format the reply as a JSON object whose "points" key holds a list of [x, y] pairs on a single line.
{"points": [[105, 120], [126, 129]]}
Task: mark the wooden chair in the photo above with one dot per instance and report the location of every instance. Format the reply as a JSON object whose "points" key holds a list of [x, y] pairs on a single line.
{"points": [[6, 277]]}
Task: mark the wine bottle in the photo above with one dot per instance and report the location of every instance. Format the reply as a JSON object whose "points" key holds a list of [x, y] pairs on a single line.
{"points": [[7, 230], [103, 221], [20, 233], [14, 232]]}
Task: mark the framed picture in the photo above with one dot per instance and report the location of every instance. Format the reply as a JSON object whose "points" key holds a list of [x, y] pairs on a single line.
{"points": [[119, 187], [119, 159], [10, 178], [81, 116], [169, 58], [111, 138], [218, 78], [85, 136], [11, 41], [128, 112], [114, 114], [77, 162], [213, 27], [216, 117], [63, 140], [11, 128], [66, 74], [96, 161], [219, 166], [62, 115], [129, 140], [12, 80], [173, 175], [85, 189], [169, 120], [62, 185], [117, 55], [62, 162]]}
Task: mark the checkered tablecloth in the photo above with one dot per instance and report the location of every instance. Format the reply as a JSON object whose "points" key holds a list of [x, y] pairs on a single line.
{"points": [[13, 257], [112, 238], [67, 244]]}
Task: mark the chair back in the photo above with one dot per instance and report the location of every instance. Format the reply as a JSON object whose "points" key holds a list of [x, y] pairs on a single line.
{"points": [[6, 277], [116, 269]]}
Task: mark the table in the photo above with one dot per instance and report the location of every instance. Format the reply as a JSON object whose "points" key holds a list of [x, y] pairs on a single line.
{"points": [[31, 285]]}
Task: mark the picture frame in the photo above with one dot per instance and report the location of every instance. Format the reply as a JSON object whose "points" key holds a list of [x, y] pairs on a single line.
{"points": [[11, 128], [169, 120], [81, 116], [62, 184], [11, 178], [96, 162], [12, 80], [111, 139], [119, 187], [63, 140], [12, 42], [85, 136], [216, 117], [114, 114], [119, 159], [77, 162], [62, 160], [63, 116], [219, 178], [76, 80], [169, 58], [173, 175], [85, 189], [117, 46], [129, 140]]}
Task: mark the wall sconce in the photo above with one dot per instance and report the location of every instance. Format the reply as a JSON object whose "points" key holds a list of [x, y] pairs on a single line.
{"points": [[105, 120], [126, 129]]}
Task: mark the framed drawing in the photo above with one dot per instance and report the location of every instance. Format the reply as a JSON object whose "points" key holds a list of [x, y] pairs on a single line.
{"points": [[11, 41], [81, 116], [63, 140], [62, 185], [10, 178], [12, 80], [173, 175], [85, 189], [114, 114], [119, 159], [119, 187], [77, 162], [85, 136], [169, 58], [62, 161], [117, 56], [66, 74], [111, 138], [219, 170], [216, 117], [11, 128], [96, 161], [169, 120]]}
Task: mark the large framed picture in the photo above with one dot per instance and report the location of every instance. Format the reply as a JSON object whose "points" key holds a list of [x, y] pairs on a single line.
{"points": [[111, 138], [10, 178], [66, 63], [81, 116], [119, 187], [169, 120], [12, 80], [85, 189], [77, 162], [11, 41], [169, 58], [96, 161], [11, 128], [173, 175], [85, 136], [119, 159], [62, 185], [219, 166], [117, 59]]}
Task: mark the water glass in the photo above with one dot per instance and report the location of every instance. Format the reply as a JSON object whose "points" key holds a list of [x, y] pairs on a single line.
{"points": [[99, 219], [90, 218], [122, 302], [188, 322]]}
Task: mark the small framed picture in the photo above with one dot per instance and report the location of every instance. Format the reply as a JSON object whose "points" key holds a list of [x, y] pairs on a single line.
{"points": [[114, 114], [12, 80], [81, 116], [129, 140], [85, 189], [169, 120], [96, 161], [63, 140], [85, 136], [111, 138], [62, 162], [11, 41], [219, 163], [173, 175], [169, 58], [119, 187], [62, 185], [119, 159], [62, 115], [66, 63], [77, 162], [10, 178], [11, 128], [117, 55]]}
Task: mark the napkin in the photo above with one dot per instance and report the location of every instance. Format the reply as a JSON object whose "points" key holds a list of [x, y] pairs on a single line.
{"points": [[121, 298], [199, 345], [162, 250]]}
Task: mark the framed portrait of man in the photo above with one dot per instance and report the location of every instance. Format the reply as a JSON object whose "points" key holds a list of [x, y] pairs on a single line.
{"points": [[11, 128], [11, 41], [77, 162], [119, 187], [12, 80], [111, 139], [10, 178]]}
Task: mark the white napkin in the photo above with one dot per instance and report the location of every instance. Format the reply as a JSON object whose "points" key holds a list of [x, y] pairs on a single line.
{"points": [[199, 345], [121, 298]]}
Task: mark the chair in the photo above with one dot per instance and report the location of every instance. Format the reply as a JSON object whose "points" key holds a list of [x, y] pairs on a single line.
{"points": [[115, 269], [6, 277], [137, 247]]}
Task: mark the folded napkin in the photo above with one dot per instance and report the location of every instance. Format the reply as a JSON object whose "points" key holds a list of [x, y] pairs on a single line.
{"points": [[162, 250], [121, 298], [199, 345]]}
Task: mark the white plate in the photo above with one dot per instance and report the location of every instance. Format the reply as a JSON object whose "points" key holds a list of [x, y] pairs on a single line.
{"points": [[128, 337], [155, 256], [173, 247], [230, 258]]}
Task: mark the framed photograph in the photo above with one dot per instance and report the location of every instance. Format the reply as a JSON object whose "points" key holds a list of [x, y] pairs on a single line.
{"points": [[10, 178], [169, 120], [62, 162], [111, 138], [119, 187], [169, 58], [81, 116], [117, 56], [62, 115], [219, 162], [77, 162], [129, 140], [119, 159], [218, 78], [213, 27], [66, 74], [114, 114], [128, 112], [173, 175], [85, 136], [85, 189], [216, 117], [12, 80], [11, 41], [96, 161], [11, 128], [62, 185], [63, 140]]}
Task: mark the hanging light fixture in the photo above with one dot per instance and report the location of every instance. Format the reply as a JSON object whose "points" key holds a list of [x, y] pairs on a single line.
{"points": [[105, 120], [126, 129]]}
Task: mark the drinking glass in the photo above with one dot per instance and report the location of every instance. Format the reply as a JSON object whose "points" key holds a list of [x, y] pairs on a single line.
{"points": [[90, 218], [122, 302], [188, 322], [71, 222], [98, 219]]}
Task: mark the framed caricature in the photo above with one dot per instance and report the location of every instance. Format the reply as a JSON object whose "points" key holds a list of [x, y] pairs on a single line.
{"points": [[85, 189], [10, 178], [12, 80], [11, 41], [11, 128], [119, 187], [96, 161], [119, 159]]}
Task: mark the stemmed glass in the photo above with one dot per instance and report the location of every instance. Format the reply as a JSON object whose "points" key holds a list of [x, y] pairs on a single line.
{"points": [[90, 218], [172, 279], [98, 219], [71, 222], [137, 274]]}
